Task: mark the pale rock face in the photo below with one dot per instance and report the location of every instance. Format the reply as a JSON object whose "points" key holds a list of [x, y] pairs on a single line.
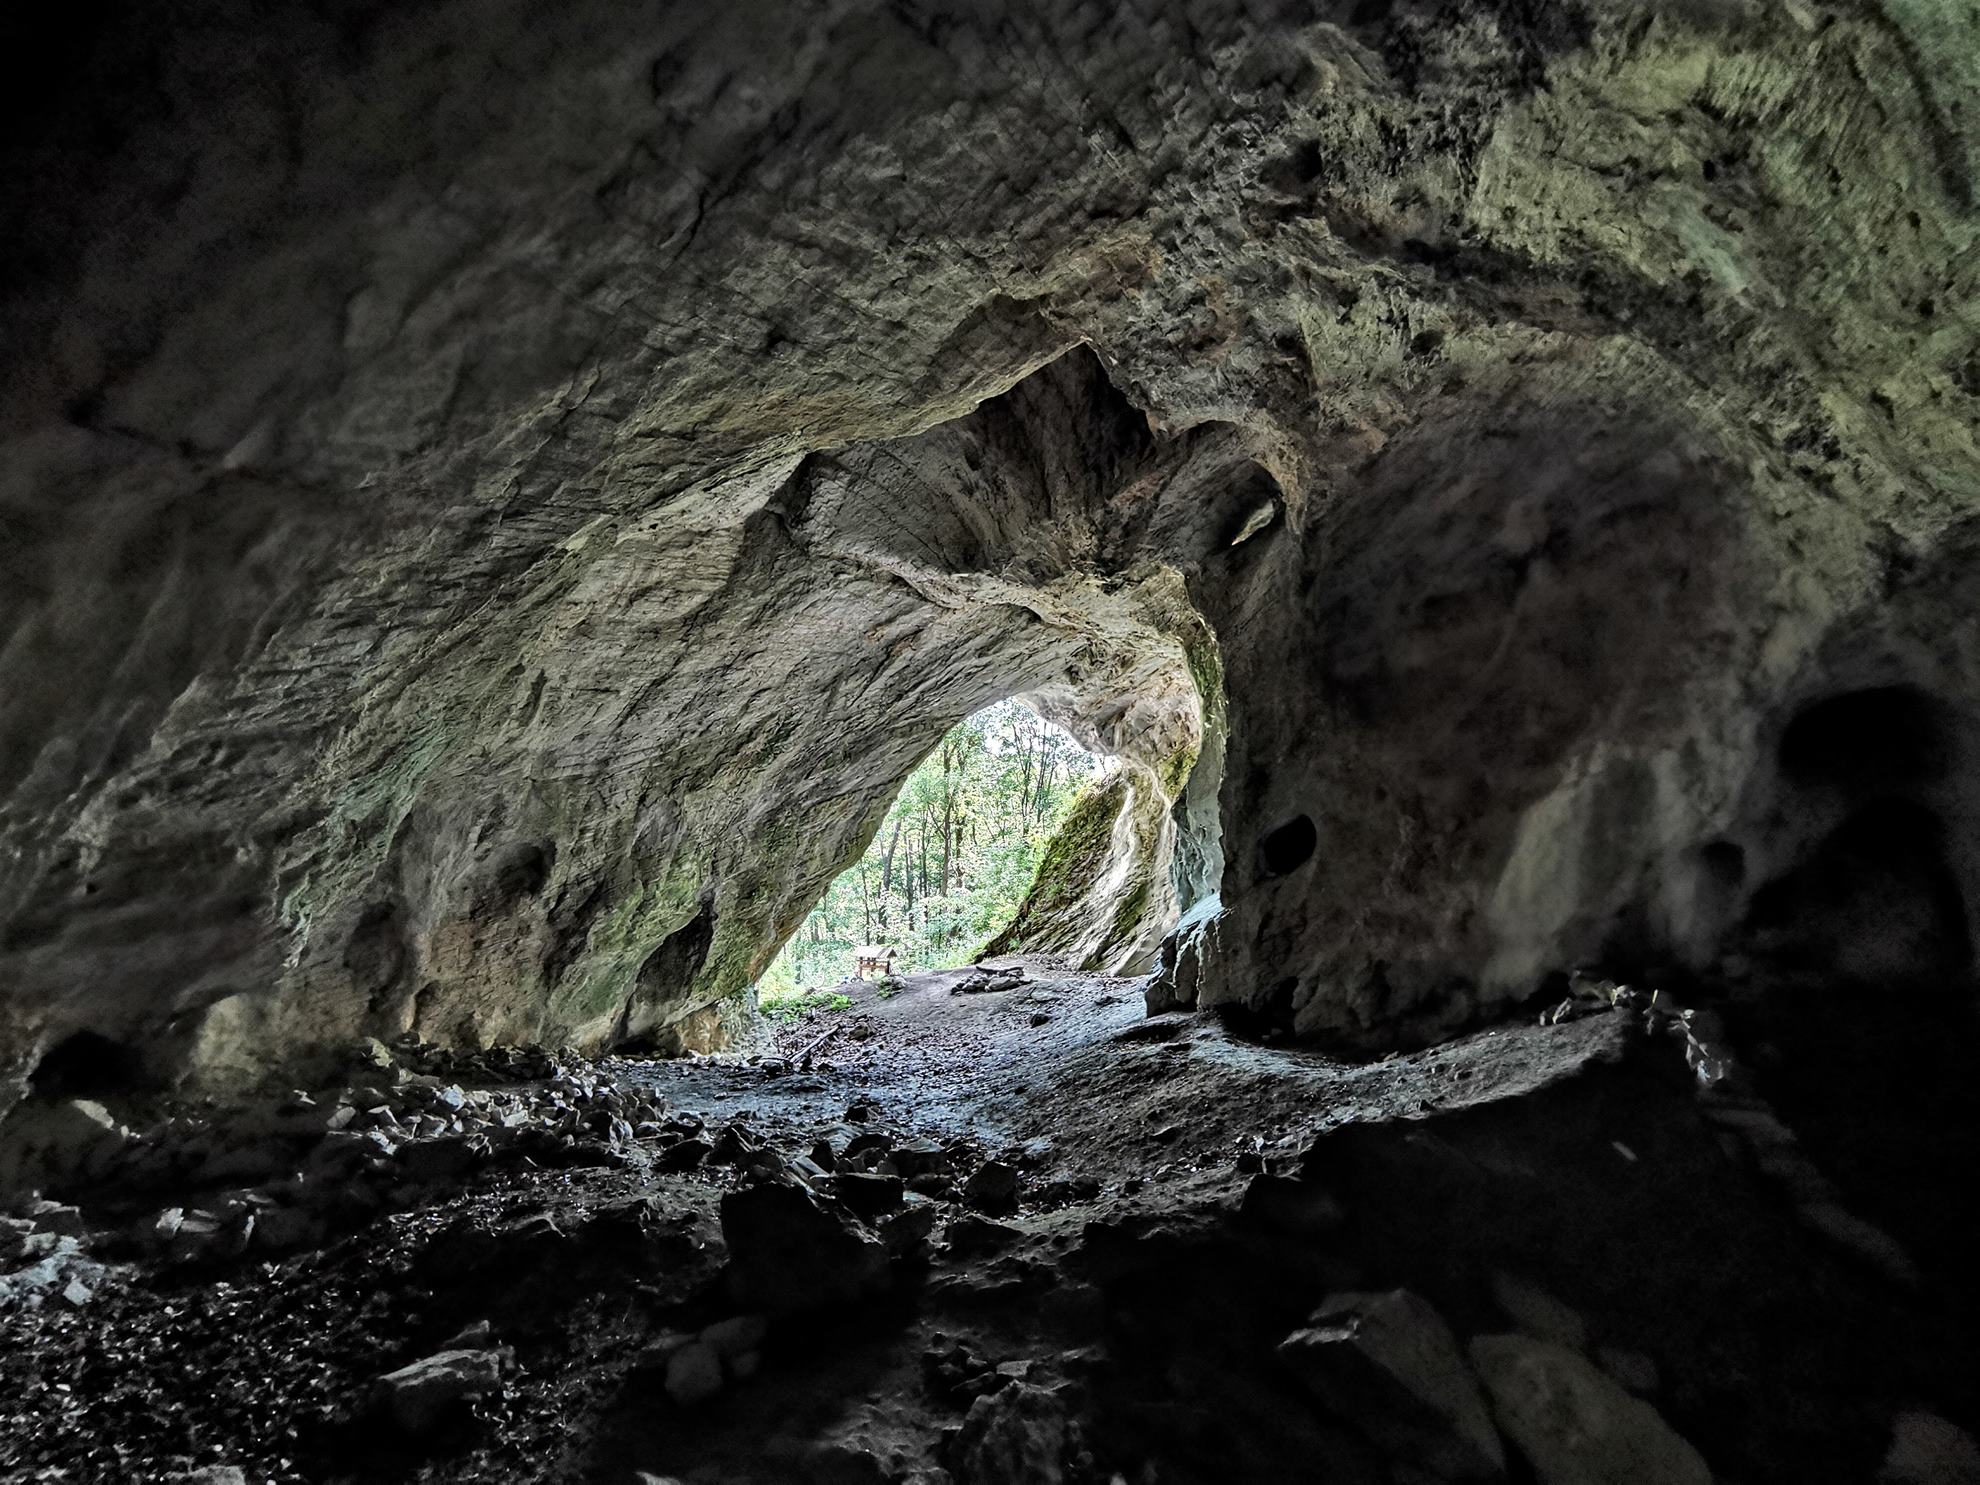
{"points": [[496, 499]]}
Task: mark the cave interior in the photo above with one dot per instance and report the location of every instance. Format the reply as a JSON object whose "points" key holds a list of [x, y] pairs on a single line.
{"points": [[498, 500]]}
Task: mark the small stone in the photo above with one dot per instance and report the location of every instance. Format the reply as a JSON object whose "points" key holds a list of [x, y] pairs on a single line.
{"points": [[920, 1157], [808, 1170], [478, 1336], [694, 1374], [347, 1149], [422, 1395], [373, 1054], [686, 1155], [868, 1194], [1066, 1189], [987, 982], [55, 1216], [734, 1146], [973, 1237], [158, 1231], [910, 1227], [993, 1189], [1041, 1018], [78, 1293], [287, 1230]]}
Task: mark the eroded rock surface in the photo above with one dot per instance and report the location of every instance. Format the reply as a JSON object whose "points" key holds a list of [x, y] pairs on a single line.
{"points": [[496, 498]]}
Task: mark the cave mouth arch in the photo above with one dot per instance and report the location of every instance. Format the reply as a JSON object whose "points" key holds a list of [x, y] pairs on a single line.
{"points": [[1010, 835]]}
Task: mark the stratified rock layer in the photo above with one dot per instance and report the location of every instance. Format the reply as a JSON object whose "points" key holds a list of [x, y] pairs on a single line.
{"points": [[496, 499]]}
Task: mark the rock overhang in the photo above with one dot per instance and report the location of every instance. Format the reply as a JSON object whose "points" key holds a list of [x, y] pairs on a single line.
{"points": [[401, 515]]}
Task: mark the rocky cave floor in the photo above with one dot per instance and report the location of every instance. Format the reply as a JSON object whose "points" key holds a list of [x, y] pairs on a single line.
{"points": [[1004, 1227]]}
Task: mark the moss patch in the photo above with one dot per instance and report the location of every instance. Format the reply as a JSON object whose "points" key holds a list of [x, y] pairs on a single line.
{"points": [[1067, 870]]}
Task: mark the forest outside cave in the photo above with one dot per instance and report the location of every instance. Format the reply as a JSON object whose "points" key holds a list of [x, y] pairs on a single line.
{"points": [[952, 860]]}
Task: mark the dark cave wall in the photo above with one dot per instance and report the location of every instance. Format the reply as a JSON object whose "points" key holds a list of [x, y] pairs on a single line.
{"points": [[483, 484]]}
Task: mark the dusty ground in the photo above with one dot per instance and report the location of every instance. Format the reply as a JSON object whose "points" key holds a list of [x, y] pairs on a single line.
{"points": [[1186, 1197]]}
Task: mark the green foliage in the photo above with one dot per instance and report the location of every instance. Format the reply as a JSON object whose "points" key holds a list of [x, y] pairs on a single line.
{"points": [[954, 855], [788, 1008], [1073, 857]]}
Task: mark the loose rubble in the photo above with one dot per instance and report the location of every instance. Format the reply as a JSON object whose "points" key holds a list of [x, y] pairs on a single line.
{"points": [[525, 1263]]}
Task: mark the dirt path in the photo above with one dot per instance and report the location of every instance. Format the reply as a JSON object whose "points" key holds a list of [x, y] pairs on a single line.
{"points": [[1071, 1066]]}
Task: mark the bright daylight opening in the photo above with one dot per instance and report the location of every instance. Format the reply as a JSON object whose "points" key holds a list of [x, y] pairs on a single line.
{"points": [[950, 865]]}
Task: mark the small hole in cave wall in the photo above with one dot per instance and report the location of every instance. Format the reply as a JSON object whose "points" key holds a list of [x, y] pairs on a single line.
{"points": [[1875, 903], [86, 1064], [521, 872], [670, 968], [1287, 848], [376, 955], [1725, 864], [1867, 741]]}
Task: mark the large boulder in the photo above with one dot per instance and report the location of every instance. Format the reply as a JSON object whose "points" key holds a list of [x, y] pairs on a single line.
{"points": [[1388, 1366], [1575, 1425], [426, 1394], [1018, 1435], [791, 1250], [57, 1145]]}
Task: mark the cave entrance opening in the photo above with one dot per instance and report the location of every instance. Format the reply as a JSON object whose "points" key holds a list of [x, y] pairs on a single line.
{"points": [[952, 861]]}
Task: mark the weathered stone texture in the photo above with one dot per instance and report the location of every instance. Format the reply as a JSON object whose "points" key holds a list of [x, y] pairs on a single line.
{"points": [[496, 497]]}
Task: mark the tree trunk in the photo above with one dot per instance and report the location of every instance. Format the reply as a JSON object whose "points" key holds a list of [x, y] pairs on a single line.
{"points": [[948, 834]]}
